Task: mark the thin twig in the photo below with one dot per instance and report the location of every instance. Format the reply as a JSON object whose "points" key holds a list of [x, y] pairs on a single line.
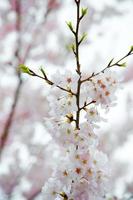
{"points": [[51, 82], [9, 121], [107, 67], [87, 104]]}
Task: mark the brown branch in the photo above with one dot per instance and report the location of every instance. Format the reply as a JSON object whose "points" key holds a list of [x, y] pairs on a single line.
{"points": [[78, 64], [16, 95], [9, 121], [32, 73], [8, 124], [78, 103], [78, 70], [76, 53], [77, 37]]}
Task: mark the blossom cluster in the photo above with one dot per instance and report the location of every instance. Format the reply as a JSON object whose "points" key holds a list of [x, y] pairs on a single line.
{"points": [[81, 172]]}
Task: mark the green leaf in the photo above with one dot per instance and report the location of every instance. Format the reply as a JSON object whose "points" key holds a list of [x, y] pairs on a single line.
{"points": [[69, 24], [23, 68], [84, 11]]}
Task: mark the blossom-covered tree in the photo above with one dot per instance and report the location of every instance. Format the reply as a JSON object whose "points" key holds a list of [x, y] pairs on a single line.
{"points": [[81, 171]]}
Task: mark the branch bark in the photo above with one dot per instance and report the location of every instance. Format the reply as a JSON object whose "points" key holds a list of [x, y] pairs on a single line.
{"points": [[9, 121]]}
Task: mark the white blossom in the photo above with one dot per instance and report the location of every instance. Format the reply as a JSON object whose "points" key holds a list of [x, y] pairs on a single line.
{"points": [[102, 87], [82, 170]]}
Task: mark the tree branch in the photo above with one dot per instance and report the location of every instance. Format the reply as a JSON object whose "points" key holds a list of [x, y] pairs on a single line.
{"points": [[16, 95], [9, 121], [117, 63], [32, 73], [78, 64], [87, 104]]}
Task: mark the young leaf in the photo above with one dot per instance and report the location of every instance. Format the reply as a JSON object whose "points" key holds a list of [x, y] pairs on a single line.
{"points": [[84, 11], [72, 47], [23, 68], [69, 24]]}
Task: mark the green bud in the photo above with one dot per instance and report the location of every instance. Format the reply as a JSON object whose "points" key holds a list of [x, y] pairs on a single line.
{"points": [[72, 47], [122, 64], [43, 72], [84, 11], [131, 48], [23, 68], [69, 24], [130, 51]]}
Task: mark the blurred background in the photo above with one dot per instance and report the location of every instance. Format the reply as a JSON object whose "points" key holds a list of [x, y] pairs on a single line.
{"points": [[34, 32]]}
